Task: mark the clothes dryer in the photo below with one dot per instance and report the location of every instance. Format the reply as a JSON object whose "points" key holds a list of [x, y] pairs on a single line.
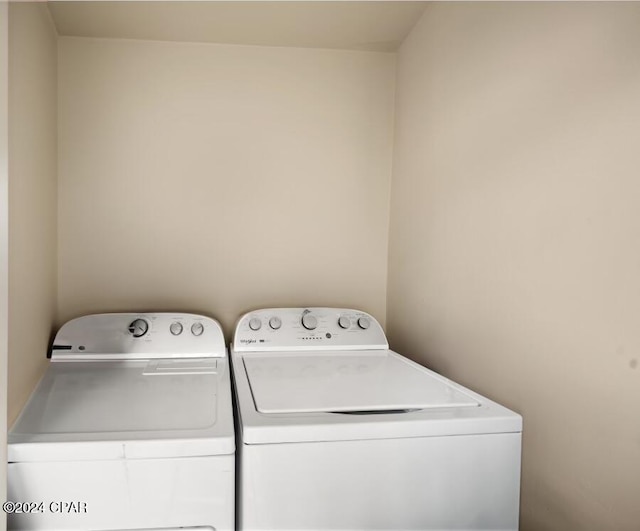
{"points": [[336, 431], [131, 427]]}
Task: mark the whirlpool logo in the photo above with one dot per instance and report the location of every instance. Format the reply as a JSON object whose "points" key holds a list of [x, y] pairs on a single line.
{"points": [[247, 341]]}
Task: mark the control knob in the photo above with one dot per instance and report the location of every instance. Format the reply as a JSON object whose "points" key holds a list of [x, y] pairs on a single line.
{"points": [[175, 328], [344, 322], [275, 323], [255, 324], [197, 329], [363, 323], [138, 328], [310, 322]]}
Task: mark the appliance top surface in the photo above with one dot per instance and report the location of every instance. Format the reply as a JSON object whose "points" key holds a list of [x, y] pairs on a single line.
{"points": [[128, 396], [360, 381], [94, 410], [108, 383], [327, 374]]}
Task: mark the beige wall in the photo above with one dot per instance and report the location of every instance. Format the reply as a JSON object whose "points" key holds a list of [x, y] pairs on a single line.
{"points": [[514, 262], [4, 244], [32, 196], [218, 179]]}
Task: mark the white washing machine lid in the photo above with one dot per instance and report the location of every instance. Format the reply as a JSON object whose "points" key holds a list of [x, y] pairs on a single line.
{"points": [[292, 397], [349, 382], [126, 409]]}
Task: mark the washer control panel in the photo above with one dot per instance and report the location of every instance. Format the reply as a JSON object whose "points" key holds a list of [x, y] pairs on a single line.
{"points": [[139, 336], [282, 329]]}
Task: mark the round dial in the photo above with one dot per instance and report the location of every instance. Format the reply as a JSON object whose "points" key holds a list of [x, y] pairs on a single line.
{"points": [[255, 324], [176, 328], [275, 322], [138, 328], [344, 322], [310, 322], [197, 329], [364, 323]]}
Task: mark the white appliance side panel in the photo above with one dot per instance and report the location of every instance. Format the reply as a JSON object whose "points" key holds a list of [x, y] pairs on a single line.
{"points": [[126, 494], [434, 483]]}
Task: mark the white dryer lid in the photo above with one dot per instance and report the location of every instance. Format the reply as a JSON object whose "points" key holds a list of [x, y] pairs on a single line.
{"points": [[137, 409], [355, 382]]}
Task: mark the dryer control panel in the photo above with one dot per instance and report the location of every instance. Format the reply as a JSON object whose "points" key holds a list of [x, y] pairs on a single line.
{"points": [[295, 329], [112, 336]]}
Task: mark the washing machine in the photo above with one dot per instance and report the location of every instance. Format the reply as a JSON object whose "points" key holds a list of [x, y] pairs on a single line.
{"points": [[336, 431], [131, 427]]}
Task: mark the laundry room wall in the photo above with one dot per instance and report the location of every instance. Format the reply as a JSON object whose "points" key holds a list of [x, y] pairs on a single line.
{"points": [[4, 242], [220, 178], [515, 243], [32, 196]]}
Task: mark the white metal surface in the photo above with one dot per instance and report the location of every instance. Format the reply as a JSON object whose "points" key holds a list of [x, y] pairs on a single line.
{"points": [[107, 337], [292, 335], [126, 409], [364, 381], [468, 482], [346, 434], [145, 443], [126, 494]]}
